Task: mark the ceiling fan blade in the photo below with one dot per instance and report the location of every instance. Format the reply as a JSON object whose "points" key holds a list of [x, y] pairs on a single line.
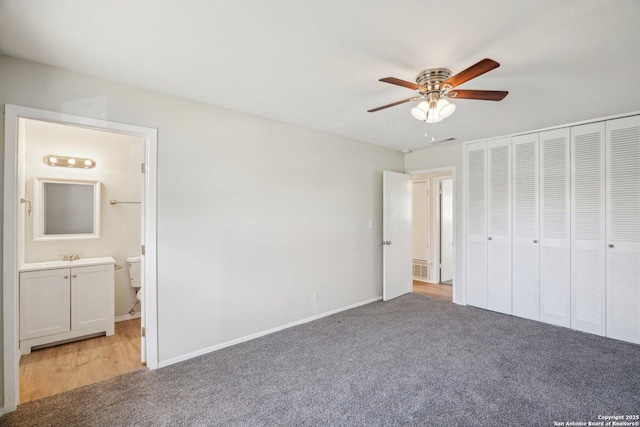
{"points": [[486, 95], [391, 105], [472, 72], [402, 83]]}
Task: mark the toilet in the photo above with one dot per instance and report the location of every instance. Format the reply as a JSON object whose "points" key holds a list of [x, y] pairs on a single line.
{"points": [[135, 277]]}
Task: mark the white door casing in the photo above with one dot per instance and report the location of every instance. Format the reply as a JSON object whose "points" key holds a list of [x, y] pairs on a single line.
{"points": [[13, 236], [397, 235]]}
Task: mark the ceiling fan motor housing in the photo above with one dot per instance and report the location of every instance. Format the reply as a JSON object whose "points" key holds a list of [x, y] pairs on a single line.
{"points": [[431, 80]]}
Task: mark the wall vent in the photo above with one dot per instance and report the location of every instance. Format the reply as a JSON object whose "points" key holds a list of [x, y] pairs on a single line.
{"points": [[442, 141], [420, 270]]}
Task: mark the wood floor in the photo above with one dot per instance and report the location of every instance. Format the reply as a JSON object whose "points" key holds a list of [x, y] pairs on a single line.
{"points": [[64, 367], [442, 292]]}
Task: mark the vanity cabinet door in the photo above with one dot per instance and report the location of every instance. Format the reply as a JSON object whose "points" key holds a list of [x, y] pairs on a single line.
{"points": [[44, 303], [92, 297]]}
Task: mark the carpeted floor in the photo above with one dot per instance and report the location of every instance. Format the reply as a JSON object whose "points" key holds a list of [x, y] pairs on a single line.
{"points": [[411, 361]]}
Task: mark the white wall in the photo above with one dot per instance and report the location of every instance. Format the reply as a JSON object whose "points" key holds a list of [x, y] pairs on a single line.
{"points": [[436, 158], [118, 158], [253, 215], [421, 220]]}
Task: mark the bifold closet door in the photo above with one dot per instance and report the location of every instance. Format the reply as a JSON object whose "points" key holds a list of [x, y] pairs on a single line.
{"points": [[588, 228], [476, 224], [555, 230], [526, 253], [623, 228], [499, 225]]}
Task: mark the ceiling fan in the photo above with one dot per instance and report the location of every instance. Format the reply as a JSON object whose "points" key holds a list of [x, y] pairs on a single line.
{"points": [[436, 84]]}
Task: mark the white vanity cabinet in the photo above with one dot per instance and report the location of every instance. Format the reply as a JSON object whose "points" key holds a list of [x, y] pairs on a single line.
{"points": [[65, 300]]}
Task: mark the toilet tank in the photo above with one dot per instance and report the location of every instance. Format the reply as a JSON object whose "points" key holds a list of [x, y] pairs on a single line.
{"points": [[135, 271]]}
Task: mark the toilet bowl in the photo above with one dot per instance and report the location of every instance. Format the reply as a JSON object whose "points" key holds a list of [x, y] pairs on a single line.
{"points": [[135, 275]]}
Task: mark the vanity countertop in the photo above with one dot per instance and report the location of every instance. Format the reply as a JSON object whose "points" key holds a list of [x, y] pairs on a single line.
{"points": [[48, 265]]}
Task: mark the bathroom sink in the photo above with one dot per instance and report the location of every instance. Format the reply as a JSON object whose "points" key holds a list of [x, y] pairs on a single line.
{"points": [[46, 265]]}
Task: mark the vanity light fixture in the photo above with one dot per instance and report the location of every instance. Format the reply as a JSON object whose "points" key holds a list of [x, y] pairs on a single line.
{"points": [[69, 162]]}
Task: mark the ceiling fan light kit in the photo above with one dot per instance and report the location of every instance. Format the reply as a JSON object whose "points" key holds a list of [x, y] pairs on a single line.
{"points": [[436, 84]]}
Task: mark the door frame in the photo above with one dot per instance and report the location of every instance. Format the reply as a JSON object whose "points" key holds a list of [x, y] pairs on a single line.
{"points": [[11, 209], [437, 238], [457, 287]]}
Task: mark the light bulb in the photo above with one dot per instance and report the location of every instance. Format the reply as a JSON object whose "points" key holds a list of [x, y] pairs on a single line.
{"points": [[71, 161], [53, 160], [88, 163], [420, 111], [446, 108]]}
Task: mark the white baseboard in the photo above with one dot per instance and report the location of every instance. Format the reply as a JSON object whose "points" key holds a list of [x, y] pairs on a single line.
{"points": [[127, 317], [261, 334]]}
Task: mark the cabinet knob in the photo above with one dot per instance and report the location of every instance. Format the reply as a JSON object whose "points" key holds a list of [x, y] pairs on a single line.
{"points": [[74, 275], [535, 241], [610, 245], [66, 277], [490, 238]]}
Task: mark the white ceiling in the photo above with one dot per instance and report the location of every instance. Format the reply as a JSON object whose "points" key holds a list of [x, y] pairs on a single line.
{"points": [[316, 64]]}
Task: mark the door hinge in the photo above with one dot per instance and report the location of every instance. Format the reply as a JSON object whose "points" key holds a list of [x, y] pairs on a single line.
{"points": [[143, 332], [142, 168], [143, 250]]}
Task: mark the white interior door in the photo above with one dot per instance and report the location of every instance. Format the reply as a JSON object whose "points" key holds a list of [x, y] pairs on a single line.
{"points": [[623, 229], [526, 223], [555, 232], [446, 231], [476, 224], [499, 226], [397, 235], [588, 228]]}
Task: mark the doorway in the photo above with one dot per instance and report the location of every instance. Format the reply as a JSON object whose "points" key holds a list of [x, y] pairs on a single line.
{"points": [[18, 204], [433, 234]]}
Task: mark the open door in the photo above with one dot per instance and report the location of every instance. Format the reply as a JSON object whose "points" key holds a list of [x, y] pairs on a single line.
{"points": [[397, 237]]}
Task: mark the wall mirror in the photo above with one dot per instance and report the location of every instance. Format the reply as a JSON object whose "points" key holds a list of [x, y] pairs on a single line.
{"points": [[66, 209]]}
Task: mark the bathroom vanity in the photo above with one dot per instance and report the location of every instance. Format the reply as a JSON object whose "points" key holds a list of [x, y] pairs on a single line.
{"points": [[65, 300]]}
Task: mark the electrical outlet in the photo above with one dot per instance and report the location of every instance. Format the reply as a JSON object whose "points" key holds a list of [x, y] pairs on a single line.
{"points": [[316, 296]]}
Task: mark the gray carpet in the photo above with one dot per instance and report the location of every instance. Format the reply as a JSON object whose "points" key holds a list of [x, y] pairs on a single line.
{"points": [[411, 361]]}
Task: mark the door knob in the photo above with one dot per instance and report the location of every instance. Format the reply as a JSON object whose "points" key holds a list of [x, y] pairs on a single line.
{"points": [[610, 245]]}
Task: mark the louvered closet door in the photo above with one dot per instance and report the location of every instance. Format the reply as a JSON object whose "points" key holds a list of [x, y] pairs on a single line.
{"points": [[555, 231], [476, 224], [623, 228], [526, 273], [499, 225], [587, 228]]}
